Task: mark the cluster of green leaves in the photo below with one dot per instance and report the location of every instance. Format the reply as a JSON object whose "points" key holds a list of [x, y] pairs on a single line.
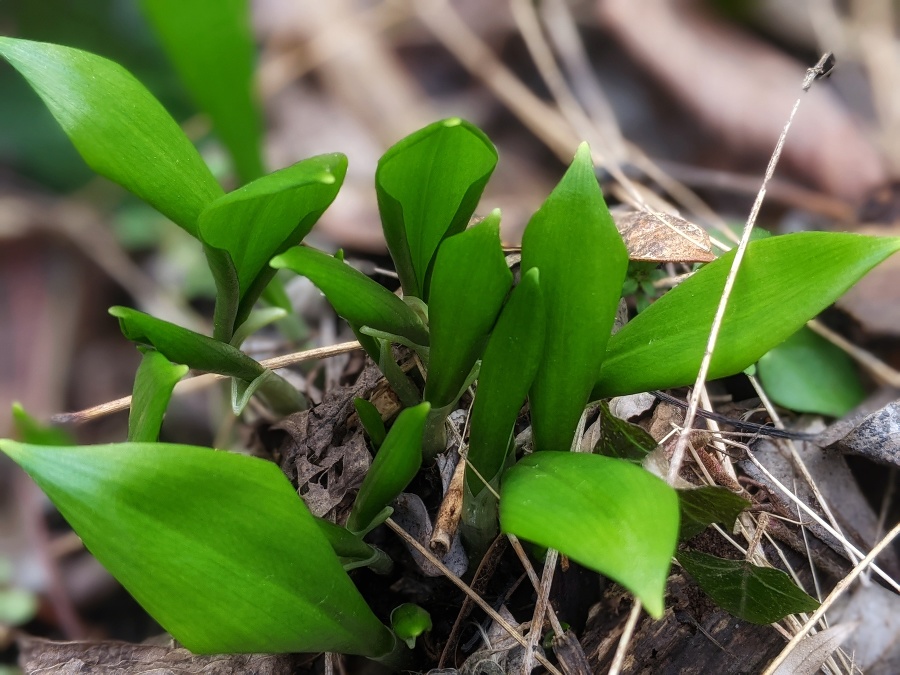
{"points": [[220, 549]]}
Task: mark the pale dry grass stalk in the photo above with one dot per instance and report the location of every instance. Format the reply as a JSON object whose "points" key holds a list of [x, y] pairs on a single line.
{"points": [[681, 444], [838, 590], [459, 583], [200, 382]]}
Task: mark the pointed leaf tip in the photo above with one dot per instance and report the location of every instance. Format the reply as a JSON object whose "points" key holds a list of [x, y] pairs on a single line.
{"points": [[216, 546]]}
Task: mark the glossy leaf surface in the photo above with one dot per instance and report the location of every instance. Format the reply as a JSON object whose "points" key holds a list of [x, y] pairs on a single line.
{"points": [[759, 595], [709, 504], [211, 46], [783, 282], [154, 381], [807, 373], [216, 546], [355, 297], [606, 514], [120, 129], [181, 345], [508, 366], [396, 464], [470, 283], [574, 242], [265, 218], [428, 186]]}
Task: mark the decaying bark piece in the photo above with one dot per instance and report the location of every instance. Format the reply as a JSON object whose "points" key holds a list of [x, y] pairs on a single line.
{"points": [[694, 637], [46, 657]]}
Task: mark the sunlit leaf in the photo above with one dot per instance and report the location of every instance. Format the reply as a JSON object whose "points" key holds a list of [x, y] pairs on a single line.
{"points": [[261, 220], [396, 464], [216, 546], [807, 373], [154, 381], [354, 296], [783, 282], [709, 504], [120, 129], [573, 241], [759, 595], [606, 514], [428, 186], [211, 46], [470, 282]]}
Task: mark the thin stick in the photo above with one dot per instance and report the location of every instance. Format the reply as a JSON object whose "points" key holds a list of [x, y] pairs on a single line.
{"points": [[815, 516], [535, 582], [202, 381], [680, 446], [624, 641], [799, 464], [544, 121], [836, 592], [541, 607], [876, 367], [459, 583]]}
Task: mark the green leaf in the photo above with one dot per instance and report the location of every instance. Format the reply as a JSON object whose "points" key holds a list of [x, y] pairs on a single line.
{"points": [[705, 505], [31, 430], [121, 131], [396, 464], [153, 384], [261, 220], [622, 439], [361, 301], [428, 186], [759, 595], [371, 421], [783, 282], [470, 282], [409, 621], [200, 352], [211, 46], [807, 373], [257, 320], [508, 366], [606, 514], [352, 550], [181, 345], [574, 242], [216, 546]]}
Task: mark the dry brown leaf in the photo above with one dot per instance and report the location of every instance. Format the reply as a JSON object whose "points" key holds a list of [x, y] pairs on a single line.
{"points": [[660, 237]]}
